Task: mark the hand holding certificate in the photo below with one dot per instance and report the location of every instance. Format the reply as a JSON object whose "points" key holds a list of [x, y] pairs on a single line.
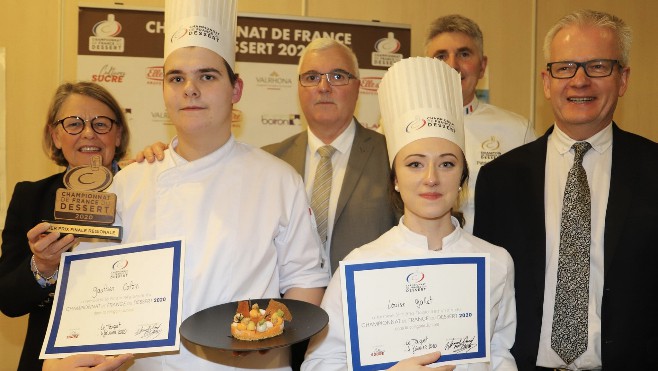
{"points": [[123, 299], [428, 305]]}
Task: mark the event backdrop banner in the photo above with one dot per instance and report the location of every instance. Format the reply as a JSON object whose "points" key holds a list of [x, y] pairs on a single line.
{"points": [[122, 49]]}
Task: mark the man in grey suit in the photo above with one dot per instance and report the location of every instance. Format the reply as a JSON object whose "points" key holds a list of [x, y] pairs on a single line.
{"points": [[360, 209], [359, 205]]}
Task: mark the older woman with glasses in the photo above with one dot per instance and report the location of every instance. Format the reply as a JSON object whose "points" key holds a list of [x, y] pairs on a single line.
{"points": [[84, 120]]}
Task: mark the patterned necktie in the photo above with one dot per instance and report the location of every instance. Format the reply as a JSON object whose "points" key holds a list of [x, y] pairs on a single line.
{"points": [[322, 190], [569, 335]]}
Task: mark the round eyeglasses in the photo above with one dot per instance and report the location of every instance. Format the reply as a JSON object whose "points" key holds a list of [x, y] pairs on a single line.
{"points": [[334, 78], [593, 68], [74, 125]]}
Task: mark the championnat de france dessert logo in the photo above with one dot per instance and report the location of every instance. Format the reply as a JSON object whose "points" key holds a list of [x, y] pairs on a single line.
{"points": [[105, 36]]}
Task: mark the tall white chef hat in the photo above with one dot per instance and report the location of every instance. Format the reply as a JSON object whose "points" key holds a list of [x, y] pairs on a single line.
{"points": [[207, 23], [419, 98]]}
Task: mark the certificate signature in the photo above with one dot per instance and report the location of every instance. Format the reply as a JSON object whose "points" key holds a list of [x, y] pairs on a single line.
{"points": [[149, 330]]}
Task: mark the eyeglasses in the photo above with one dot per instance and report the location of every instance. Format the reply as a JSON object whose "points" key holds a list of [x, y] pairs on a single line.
{"points": [[334, 78], [74, 125], [593, 68]]}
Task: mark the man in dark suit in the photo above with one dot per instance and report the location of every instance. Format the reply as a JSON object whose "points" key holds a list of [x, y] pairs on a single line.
{"points": [[359, 206], [519, 206]]}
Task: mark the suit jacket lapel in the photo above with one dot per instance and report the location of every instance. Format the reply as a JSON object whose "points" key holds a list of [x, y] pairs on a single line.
{"points": [[361, 149], [623, 175], [536, 209], [296, 155]]}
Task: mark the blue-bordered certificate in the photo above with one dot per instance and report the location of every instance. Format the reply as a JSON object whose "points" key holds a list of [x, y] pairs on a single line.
{"points": [[121, 299], [398, 309]]}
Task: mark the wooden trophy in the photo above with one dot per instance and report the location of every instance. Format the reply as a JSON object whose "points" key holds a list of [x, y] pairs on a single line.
{"points": [[82, 209]]}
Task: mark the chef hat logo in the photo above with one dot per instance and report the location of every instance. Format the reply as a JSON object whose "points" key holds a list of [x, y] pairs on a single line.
{"points": [[419, 98], [206, 23]]}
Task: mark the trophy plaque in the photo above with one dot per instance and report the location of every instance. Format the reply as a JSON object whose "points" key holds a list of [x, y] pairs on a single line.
{"points": [[81, 209]]}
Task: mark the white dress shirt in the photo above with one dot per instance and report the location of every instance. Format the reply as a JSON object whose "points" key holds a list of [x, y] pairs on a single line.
{"points": [[339, 160], [597, 163]]}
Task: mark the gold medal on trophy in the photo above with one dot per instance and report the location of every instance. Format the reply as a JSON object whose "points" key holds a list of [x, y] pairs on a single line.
{"points": [[82, 209]]}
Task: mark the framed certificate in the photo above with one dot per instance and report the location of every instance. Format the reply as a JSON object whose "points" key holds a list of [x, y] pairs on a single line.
{"points": [[398, 309], [121, 299]]}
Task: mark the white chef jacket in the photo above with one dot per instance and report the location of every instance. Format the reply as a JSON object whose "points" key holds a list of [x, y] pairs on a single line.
{"points": [[326, 351], [248, 232], [489, 131]]}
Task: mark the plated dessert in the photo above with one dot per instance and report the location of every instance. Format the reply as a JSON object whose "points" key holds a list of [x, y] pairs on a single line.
{"points": [[251, 323]]}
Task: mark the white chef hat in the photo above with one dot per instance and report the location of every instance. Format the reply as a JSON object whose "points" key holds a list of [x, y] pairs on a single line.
{"points": [[421, 97], [207, 23]]}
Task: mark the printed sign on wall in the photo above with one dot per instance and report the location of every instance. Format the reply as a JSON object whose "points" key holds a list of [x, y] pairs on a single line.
{"points": [[122, 49]]}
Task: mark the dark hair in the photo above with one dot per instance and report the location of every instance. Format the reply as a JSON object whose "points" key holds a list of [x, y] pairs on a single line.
{"points": [[232, 76], [91, 90], [398, 204]]}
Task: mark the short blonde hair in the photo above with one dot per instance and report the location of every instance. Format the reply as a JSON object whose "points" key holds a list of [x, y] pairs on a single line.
{"points": [[91, 90], [587, 17]]}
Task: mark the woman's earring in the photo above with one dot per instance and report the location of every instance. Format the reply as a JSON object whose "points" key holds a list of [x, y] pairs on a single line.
{"points": [[460, 189], [397, 189]]}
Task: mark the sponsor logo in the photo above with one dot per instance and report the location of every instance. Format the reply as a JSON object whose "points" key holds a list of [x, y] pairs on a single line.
{"points": [[281, 119], [369, 85], [274, 81], [377, 352], [108, 74], [160, 116], [154, 74]]}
